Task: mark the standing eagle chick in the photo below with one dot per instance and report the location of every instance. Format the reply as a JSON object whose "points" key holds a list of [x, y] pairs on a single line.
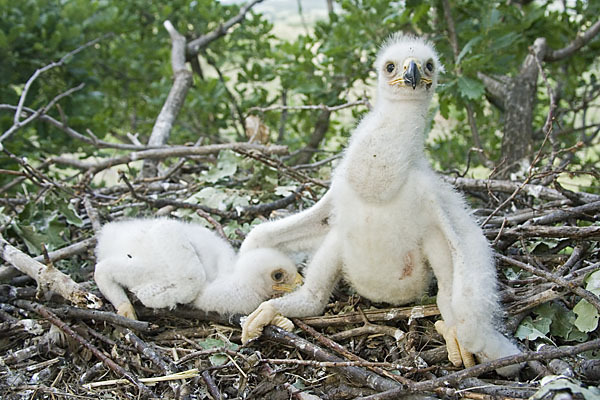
{"points": [[166, 262], [388, 222]]}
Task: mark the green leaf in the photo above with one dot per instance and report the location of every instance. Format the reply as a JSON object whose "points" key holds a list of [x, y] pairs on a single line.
{"points": [[212, 343], [226, 167], [561, 383], [587, 316], [534, 329], [68, 211], [593, 283], [467, 48], [470, 88]]}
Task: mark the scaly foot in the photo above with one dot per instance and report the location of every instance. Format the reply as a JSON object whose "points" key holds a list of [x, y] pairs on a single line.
{"points": [[126, 310], [456, 354], [264, 315]]}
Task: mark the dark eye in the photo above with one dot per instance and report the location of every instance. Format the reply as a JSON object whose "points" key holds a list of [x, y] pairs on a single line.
{"points": [[429, 66], [390, 67], [277, 276]]}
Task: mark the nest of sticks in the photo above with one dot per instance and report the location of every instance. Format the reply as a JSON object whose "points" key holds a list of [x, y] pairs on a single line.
{"points": [[57, 342]]}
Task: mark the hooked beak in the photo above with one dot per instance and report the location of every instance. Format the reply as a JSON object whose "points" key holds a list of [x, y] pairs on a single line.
{"points": [[289, 287], [412, 75]]}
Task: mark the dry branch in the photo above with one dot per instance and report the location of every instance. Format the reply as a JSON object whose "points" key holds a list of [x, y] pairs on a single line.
{"points": [[377, 315], [356, 374], [489, 366], [48, 278], [162, 153], [43, 311]]}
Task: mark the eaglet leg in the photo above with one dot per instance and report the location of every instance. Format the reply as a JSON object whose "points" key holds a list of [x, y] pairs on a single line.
{"points": [[438, 254], [106, 275]]}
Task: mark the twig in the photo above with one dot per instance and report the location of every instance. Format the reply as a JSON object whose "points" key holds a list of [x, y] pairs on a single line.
{"points": [[574, 232], [489, 366], [191, 373], [589, 296], [148, 352], [330, 364], [341, 350], [194, 46], [504, 186], [97, 315], [48, 278], [562, 215], [92, 214], [277, 107], [581, 39], [43, 311], [17, 123], [213, 390], [165, 152], [357, 374], [68, 251], [218, 227], [291, 172], [73, 133], [388, 314]]}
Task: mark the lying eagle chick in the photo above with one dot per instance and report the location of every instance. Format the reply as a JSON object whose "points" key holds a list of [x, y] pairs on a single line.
{"points": [[165, 262]]}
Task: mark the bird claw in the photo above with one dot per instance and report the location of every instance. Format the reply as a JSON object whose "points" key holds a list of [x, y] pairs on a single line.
{"points": [[282, 322], [456, 354], [265, 314], [126, 310]]}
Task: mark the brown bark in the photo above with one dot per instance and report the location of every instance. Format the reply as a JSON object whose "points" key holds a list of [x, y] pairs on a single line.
{"points": [[48, 278]]}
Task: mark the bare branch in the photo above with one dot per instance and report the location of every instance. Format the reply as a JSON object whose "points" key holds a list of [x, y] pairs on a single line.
{"points": [[489, 366], [278, 107], [575, 288], [33, 114], [194, 47], [17, 123], [174, 102], [161, 153], [49, 278], [580, 40]]}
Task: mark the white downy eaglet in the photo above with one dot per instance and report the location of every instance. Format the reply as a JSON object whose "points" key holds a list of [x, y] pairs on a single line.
{"points": [[165, 262], [388, 222]]}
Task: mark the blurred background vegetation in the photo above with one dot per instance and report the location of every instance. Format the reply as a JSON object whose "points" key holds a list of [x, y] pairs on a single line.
{"points": [[279, 58]]}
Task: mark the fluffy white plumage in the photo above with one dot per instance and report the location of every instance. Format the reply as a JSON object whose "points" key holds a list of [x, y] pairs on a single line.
{"points": [[388, 222], [166, 262]]}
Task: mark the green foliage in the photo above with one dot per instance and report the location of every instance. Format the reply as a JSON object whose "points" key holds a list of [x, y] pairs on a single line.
{"points": [[45, 222], [587, 314], [552, 322], [553, 384], [212, 344]]}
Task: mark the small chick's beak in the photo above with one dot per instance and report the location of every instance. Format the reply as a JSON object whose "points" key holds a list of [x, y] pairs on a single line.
{"points": [[412, 76], [289, 287]]}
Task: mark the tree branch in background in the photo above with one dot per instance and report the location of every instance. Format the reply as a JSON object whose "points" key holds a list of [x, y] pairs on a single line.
{"points": [[194, 46], [168, 114], [17, 123], [580, 40], [94, 167]]}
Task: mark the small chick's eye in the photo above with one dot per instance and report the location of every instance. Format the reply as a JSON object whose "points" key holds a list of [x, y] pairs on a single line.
{"points": [[390, 67], [277, 275], [429, 66]]}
